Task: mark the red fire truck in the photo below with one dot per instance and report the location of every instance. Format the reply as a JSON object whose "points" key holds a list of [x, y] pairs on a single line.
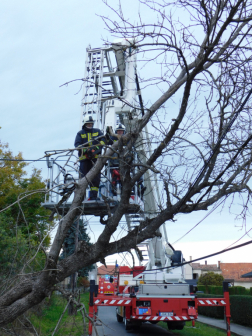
{"points": [[171, 303], [108, 285]]}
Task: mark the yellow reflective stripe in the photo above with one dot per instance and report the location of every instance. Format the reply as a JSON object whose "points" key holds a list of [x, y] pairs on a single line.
{"points": [[95, 134], [83, 135], [102, 142], [89, 137], [94, 188]]}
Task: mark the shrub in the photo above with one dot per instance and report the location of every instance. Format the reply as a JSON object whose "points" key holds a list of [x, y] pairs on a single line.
{"points": [[211, 279], [216, 290], [241, 290], [201, 288], [250, 290], [238, 290], [241, 308]]}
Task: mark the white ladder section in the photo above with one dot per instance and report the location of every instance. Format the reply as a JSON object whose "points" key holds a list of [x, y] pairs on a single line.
{"points": [[100, 84], [133, 221], [105, 82]]}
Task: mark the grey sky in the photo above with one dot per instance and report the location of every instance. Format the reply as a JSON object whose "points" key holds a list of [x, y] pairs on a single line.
{"points": [[43, 45]]}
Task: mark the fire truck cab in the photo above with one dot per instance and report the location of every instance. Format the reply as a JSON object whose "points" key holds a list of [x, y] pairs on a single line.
{"points": [[107, 285]]}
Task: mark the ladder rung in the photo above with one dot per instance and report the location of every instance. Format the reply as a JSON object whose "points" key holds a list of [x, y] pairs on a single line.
{"points": [[89, 103]]}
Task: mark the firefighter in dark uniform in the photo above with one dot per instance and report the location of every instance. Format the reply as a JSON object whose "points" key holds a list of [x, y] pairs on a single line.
{"points": [[91, 148], [114, 164], [114, 161], [119, 131]]}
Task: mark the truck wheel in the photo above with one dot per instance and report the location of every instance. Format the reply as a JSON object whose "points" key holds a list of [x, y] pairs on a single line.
{"points": [[176, 325], [180, 327], [137, 326], [127, 324], [119, 318]]}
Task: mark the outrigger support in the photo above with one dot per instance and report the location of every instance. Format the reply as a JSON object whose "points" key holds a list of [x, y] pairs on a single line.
{"points": [[92, 308], [218, 302], [227, 308]]}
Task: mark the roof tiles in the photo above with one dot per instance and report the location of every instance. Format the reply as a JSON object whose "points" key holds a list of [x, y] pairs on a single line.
{"points": [[235, 271]]}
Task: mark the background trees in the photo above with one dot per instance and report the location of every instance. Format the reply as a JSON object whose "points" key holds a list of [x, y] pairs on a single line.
{"points": [[23, 225], [197, 119], [211, 279], [70, 240]]}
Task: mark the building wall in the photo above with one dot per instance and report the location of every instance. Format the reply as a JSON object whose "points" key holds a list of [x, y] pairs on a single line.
{"points": [[217, 272], [188, 274], [246, 284], [196, 274]]}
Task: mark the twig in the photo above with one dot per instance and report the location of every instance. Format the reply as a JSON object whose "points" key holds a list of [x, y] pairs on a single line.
{"points": [[61, 317]]}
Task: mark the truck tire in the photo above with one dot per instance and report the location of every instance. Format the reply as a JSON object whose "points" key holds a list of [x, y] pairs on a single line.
{"points": [[137, 326], [127, 324], [119, 318], [176, 325]]}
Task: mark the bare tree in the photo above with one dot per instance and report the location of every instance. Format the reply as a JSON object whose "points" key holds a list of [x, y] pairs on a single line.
{"points": [[204, 62]]}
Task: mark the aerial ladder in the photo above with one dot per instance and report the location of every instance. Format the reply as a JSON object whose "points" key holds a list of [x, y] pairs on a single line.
{"points": [[157, 290]]}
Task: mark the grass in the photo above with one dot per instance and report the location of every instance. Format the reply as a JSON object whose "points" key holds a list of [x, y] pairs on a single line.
{"points": [[200, 329], [46, 319]]}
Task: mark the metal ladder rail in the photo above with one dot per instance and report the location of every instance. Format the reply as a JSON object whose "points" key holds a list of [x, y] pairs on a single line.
{"points": [[100, 84], [99, 92], [92, 94]]}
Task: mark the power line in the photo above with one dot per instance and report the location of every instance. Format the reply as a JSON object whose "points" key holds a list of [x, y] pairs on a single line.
{"points": [[216, 147], [204, 168], [240, 238], [205, 257], [28, 160], [198, 259], [209, 213]]}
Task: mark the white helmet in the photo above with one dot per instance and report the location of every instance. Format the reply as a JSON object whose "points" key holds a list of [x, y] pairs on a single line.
{"points": [[120, 127], [87, 119]]}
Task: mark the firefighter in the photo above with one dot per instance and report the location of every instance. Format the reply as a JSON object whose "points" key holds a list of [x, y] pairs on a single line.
{"points": [[114, 164], [119, 131], [91, 148], [114, 161]]}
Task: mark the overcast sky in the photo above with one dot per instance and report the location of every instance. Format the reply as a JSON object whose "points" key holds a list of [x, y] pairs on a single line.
{"points": [[43, 45]]}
